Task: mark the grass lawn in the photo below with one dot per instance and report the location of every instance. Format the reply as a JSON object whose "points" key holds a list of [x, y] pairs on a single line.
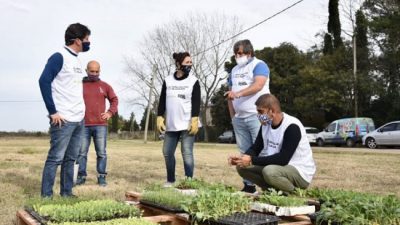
{"points": [[132, 165]]}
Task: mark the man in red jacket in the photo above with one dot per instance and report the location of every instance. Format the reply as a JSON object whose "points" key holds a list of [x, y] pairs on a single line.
{"points": [[95, 92]]}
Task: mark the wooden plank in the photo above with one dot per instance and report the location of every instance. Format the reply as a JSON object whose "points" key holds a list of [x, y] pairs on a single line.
{"points": [[24, 218], [297, 223], [132, 196], [296, 220], [160, 218]]}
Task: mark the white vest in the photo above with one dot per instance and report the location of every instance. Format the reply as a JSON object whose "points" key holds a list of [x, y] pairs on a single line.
{"points": [[67, 88], [302, 158], [241, 78], [178, 103]]}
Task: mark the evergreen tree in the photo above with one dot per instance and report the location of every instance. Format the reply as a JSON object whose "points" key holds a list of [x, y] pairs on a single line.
{"points": [[152, 118], [334, 27]]}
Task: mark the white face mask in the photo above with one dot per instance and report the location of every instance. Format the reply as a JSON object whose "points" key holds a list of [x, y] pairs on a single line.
{"points": [[241, 61]]}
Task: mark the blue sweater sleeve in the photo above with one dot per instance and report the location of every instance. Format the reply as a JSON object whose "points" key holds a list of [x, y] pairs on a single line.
{"points": [[52, 68], [261, 69]]}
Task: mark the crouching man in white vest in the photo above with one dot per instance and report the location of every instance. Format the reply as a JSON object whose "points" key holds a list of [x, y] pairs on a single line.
{"points": [[281, 156]]}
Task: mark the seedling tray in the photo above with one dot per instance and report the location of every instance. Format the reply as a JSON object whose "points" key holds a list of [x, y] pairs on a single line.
{"points": [[163, 207], [250, 218]]}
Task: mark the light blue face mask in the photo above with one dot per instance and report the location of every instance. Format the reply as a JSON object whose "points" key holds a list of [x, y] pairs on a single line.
{"points": [[264, 119]]}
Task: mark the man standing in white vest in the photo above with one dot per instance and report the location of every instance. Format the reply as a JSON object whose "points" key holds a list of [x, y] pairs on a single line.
{"points": [[247, 81], [281, 156], [62, 92]]}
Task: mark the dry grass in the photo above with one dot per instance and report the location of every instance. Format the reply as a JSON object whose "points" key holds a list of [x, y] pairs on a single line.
{"points": [[133, 165]]}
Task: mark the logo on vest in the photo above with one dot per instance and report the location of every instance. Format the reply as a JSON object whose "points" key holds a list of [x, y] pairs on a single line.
{"points": [[181, 96], [243, 83], [240, 75], [77, 70]]}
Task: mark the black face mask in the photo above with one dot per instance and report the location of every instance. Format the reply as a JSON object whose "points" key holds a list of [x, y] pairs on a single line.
{"points": [[186, 69]]}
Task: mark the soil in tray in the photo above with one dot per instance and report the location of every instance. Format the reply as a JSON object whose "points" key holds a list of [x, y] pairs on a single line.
{"points": [[250, 218], [163, 207]]}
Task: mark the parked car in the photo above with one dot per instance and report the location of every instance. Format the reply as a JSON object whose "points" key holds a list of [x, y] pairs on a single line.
{"points": [[386, 135], [347, 131], [312, 134], [227, 137]]}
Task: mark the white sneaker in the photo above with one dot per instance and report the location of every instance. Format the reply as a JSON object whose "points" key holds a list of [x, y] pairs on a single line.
{"points": [[168, 184]]}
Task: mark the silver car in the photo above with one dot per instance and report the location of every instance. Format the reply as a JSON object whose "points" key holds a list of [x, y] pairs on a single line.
{"points": [[386, 135]]}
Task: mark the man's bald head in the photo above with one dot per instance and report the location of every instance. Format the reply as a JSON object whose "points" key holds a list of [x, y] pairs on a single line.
{"points": [[269, 101], [93, 68]]}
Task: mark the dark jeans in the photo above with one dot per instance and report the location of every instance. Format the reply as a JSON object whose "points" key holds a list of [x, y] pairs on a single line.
{"points": [[99, 134], [170, 142], [65, 143]]}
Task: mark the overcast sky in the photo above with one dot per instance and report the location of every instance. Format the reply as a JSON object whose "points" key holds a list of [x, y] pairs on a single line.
{"points": [[33, 30]]}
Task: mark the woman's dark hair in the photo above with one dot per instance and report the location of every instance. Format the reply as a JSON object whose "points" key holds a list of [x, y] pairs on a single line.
{"points": [[75, 31], [179, 57]]}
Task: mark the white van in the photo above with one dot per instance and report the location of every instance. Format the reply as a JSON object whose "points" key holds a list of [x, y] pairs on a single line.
{"points": [[347, 131]]}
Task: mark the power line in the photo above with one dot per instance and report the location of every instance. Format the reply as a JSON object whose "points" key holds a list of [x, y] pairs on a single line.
{"points": [[207, 49], [18, 101], [250, 28]]}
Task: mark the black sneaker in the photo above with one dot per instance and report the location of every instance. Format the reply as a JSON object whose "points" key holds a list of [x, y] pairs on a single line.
{"points": [[101, 180], [80, 180], [249, 189]]}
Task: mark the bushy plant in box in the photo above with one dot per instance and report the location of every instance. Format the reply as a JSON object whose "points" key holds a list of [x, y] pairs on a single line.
{"points": [[124, 221], [216, 203], [166, 198], [75, 210]]}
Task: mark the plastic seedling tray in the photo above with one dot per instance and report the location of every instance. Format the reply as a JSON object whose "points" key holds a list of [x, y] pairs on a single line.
{"points": [[159, 206], [42, 220], [250, 218]]}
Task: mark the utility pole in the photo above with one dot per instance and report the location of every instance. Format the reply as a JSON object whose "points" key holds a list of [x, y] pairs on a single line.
{"points": [[355, 76], [149, 104]]}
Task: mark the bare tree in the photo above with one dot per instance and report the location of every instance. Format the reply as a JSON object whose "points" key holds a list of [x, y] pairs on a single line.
{"points": [[207, 37]]}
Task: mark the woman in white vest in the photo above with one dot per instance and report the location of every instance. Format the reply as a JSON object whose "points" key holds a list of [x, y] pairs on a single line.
{"points": [[178, 115], [281, 156]]}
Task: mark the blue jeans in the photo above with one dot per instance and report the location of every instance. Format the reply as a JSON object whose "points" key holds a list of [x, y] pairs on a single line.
{"points": [[65, 143], [246, 131], [99, 134], [170, 142]]}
